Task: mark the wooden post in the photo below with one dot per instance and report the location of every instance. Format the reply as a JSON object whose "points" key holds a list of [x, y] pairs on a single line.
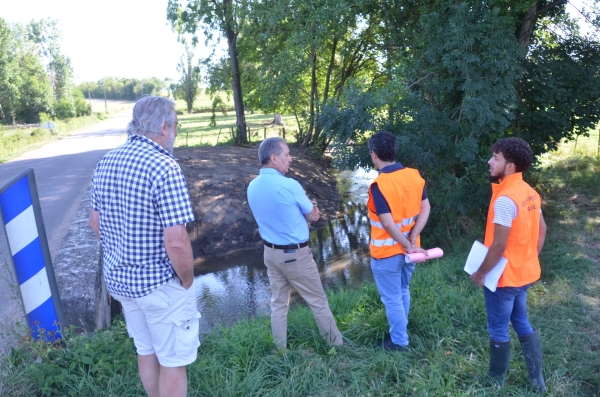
{"points": [[283, 132], [218, 137], [265, 133]]}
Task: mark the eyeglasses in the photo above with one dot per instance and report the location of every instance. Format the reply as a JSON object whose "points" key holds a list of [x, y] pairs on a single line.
{"points": [[178, 125]]}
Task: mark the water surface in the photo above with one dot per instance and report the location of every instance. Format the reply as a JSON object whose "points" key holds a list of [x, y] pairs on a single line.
{"points": [[237, 286]]}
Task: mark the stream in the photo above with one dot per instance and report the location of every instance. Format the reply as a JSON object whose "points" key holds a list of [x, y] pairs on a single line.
{"points": [[236, 286]]}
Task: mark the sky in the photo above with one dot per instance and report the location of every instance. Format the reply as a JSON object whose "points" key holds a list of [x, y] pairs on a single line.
{"points": [[122, 38]]}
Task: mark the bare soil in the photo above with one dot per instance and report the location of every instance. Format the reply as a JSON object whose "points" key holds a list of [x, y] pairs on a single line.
{"points": [[217, 179]]}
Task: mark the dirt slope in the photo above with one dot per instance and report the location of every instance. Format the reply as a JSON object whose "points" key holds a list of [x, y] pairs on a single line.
{"points": [[217, 179]]}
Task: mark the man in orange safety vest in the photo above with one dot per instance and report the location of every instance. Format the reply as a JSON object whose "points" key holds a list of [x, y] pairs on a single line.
{"points": [[516, 230]]}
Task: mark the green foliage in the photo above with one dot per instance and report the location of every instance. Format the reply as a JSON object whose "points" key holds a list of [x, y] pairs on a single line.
{"points": [[225, 18], [217, 104], [82, 107], [35, 92], [559, 92], [64, 109], [346, 120], [80, 364], [119, 88], [9, 72], [189, 82], [462, 99], [62, 70]]}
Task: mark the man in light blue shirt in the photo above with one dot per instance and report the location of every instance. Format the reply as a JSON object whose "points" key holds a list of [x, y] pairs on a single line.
{"points": [[282, 211]]}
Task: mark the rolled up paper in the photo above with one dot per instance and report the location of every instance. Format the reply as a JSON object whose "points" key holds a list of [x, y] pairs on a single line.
{"points": [[420, 257]]}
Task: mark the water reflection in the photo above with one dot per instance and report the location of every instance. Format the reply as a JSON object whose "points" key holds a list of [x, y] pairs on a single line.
{"points": [[237, 286]]}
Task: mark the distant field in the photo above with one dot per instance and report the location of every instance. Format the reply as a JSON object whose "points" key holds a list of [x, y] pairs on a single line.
{"points": [[195, 130], [203, 103], [113, 106]]}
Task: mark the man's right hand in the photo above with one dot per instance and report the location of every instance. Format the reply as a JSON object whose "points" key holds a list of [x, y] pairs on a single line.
{"points": [[179, 250], [313, 215], [416, 250]]}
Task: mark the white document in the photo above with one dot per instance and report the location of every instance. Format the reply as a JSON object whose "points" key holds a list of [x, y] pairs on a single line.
{"points": [[475, 259]]}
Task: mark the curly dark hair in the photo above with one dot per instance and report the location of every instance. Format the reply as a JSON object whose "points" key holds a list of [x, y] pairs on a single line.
{"points": [[383, 144], [516, 151]]}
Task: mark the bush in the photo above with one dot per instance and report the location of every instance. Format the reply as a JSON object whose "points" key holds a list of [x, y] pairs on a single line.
{"points": [[64, 109], [82, 107]]}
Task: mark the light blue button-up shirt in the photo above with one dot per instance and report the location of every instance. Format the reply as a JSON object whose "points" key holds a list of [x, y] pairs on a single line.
{"points": [[278, 205]]}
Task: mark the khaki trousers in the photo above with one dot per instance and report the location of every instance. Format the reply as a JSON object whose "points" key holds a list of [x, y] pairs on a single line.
{"points": [[297, 269]]}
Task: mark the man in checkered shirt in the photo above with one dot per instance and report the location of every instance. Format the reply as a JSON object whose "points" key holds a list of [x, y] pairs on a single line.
{"points": [[140, 205]]}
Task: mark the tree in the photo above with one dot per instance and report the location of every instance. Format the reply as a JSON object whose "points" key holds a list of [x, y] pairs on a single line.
{"points": [[225, 17], [35, 90], [189, 81], [9, 71]]}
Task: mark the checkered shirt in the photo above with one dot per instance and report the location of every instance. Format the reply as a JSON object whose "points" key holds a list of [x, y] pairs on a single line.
{"points": [[138, 189]]}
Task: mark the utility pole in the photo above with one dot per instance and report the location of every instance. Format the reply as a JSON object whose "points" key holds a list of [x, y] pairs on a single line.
{"points": [[105, 105], [89, 97]]}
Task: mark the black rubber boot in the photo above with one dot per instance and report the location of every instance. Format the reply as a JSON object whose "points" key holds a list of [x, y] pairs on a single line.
{"points": [[532, 350], [499, 360]]}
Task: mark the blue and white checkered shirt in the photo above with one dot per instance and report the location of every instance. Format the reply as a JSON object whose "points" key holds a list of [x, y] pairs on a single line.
{"points": [[138, 189]]}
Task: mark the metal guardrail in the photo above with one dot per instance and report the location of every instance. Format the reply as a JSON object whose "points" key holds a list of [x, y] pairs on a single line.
{"points": [[18, 126]]}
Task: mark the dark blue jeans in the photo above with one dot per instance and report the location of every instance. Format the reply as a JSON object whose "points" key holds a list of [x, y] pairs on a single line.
{"points": [[504, 305]]}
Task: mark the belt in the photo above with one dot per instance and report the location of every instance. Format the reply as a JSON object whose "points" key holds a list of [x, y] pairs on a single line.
{"points": [[286, 247]]}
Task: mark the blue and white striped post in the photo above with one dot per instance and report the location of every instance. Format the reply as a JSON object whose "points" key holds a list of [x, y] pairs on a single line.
{"points": [[21, 217]]}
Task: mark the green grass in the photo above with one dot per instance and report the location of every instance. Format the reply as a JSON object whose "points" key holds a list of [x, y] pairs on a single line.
{"points": [[447, 327], [15, 142], [196, 131]]}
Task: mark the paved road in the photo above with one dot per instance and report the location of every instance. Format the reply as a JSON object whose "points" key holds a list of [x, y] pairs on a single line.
{"points": [[63, 170]]}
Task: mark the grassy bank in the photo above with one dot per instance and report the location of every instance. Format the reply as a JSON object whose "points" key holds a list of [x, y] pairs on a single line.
{"points": [[14, 142], [447, 327]]}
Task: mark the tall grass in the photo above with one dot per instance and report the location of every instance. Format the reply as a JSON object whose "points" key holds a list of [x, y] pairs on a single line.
{"points": [[447, 328]]}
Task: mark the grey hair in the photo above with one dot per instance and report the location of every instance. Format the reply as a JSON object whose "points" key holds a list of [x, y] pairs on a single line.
{"points": [[268, 147], [150, 114]]}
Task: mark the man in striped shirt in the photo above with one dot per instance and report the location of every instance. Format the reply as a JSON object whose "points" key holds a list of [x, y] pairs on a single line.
{"points": [[516, 230]]}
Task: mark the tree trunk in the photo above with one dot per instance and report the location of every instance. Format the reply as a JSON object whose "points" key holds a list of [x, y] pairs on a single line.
{"points": [[526, 28], [318, 129], [313, 91], [236, 83]]}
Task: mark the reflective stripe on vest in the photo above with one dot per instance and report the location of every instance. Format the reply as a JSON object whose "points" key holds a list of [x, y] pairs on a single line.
{"points": [[387, 242], [405, 222], [403, 191]]}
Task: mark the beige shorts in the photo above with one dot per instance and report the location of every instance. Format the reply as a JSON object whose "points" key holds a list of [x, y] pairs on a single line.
{"points": [[165, 323]]}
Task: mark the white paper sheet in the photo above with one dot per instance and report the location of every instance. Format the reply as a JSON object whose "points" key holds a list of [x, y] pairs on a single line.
{"points": [[475, 259]]}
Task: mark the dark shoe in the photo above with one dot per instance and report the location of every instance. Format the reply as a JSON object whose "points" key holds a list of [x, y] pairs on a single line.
{"points": [[499, 360], [532, 351], [388, 345]]}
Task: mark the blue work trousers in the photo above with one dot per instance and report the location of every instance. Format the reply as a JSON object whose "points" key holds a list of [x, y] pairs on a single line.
{"points": [[392, 276]]}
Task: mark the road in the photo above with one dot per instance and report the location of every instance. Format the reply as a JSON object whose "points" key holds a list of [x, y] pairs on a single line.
{"points": [[63, 170]]}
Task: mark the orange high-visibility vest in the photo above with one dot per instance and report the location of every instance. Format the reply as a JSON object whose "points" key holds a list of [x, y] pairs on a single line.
{"points": [[523, 265], [403, 191]]}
